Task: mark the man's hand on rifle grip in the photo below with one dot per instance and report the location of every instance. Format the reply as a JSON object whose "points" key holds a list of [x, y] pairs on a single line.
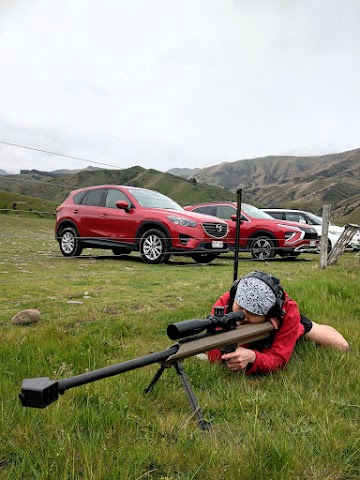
{"points": [[239, 359]]}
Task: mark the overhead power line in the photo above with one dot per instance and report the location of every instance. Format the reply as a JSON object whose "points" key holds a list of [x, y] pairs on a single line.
{"points": [[72, 157]]}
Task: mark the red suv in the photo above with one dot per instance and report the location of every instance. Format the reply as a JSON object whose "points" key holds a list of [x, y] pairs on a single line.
{"points": [[124, 218], [260, 233]]}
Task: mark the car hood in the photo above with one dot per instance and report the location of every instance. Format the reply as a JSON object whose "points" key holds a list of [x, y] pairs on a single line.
{"points": [[335, 229], [197, 217], [285, 223]]}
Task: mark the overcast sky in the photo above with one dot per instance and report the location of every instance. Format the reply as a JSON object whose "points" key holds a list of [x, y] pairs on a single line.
{"points": [[176, 83]]}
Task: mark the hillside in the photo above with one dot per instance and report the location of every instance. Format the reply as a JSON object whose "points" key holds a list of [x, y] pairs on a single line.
{"points": [[293, 182], [283, 181], [16, 202], [39, 184]]}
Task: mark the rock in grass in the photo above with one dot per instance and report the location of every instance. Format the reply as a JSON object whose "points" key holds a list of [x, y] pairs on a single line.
{"points": [[26, 317]]}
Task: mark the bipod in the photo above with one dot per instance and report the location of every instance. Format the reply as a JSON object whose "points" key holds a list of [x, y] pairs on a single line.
{"points": [[203, 424]]}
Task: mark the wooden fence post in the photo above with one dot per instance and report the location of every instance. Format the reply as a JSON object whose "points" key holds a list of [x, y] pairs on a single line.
{"points": [[324, 236]]}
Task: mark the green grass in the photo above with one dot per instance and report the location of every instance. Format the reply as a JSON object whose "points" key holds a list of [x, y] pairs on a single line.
{"points": [[14, 203], [301, 423]]}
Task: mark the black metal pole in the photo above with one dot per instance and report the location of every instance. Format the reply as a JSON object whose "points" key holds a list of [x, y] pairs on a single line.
{"points": [[237, 235]]}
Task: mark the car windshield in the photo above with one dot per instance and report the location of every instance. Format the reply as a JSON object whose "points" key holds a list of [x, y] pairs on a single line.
{"points": [[152, 199], [315, 220], [255, 212]]}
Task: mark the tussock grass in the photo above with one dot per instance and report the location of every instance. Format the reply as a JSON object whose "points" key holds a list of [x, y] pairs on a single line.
{"points": [[301, 423]]}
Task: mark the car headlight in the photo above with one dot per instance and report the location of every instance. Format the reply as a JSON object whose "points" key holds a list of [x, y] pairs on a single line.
{"points": [[289, 235], [292, 236], [308, 229], [184, 222], [293, 228]]}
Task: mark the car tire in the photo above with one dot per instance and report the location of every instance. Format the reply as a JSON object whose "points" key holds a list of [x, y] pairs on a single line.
{"points": [[329, 247], [154, 247], [121, 251], [203, 257], [69, 242], [262, 248]]}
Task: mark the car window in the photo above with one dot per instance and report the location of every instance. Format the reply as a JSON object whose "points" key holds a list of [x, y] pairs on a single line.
{"points": [[114, 196], [278, 215], [94, 198], [255, 212], [152, 199], [295, 217], [302, 219], [225, 211], [207, 210], [314, 219], [78, 197]]}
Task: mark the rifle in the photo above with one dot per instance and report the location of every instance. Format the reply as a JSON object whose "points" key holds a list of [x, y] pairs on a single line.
{"points": [[221, 331]]}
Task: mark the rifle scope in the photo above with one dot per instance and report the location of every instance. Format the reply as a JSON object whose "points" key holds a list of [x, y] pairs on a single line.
{"points": [[211, 323]]}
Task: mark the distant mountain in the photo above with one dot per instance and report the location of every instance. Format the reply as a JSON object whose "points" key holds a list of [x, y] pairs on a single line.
{"points": [[2, 172], [293, 182], [57, 173], [183, 172], [71, 172]]}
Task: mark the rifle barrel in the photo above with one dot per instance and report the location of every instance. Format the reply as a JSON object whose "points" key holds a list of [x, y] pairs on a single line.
{"points": [[112, 370], [41, 392]]}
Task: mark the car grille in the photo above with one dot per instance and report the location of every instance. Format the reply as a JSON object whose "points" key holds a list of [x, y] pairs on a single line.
{"points": [[215, 229], [311, 235]]}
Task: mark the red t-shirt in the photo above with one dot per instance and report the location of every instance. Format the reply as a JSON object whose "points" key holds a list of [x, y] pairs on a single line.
{"points": [[278, 354]]}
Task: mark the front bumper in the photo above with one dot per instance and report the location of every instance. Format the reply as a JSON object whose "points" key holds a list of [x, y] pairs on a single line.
{"points": [[309, 246], [194, 246]]}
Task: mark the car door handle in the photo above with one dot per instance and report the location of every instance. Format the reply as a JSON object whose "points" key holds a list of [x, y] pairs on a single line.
{"points": [[76, 210]]}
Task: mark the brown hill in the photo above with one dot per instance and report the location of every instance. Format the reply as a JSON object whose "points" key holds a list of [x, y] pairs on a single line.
{"points": [[294, 182]]}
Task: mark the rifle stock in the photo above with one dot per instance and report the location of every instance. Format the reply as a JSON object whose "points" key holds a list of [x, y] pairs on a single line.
{"points": [[41, 392], [244, 334]]}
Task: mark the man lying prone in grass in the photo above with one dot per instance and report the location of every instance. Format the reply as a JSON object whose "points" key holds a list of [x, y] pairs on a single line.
{"points": [[261, 297]]}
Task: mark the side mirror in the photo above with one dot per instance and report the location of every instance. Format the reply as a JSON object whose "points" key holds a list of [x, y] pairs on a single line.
{"points": [[233, 217], [122, 204]]}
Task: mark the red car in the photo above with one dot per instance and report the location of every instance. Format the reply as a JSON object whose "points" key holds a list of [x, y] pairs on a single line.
{"points": [[260, 233], [124, 218]]}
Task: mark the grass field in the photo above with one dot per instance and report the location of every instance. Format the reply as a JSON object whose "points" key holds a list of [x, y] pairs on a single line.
{"points": [[99, 310]]}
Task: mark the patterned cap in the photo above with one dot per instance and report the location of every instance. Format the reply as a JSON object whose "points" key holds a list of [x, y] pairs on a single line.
{"points": [[255, 296]]}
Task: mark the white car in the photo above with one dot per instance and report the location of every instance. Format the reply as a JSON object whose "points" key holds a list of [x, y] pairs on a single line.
{"points": [[315, 221], [355, 242]]}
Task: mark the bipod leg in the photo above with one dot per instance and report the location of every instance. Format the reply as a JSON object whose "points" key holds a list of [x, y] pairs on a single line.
{"points": [[155, 379], [203, 424]]}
